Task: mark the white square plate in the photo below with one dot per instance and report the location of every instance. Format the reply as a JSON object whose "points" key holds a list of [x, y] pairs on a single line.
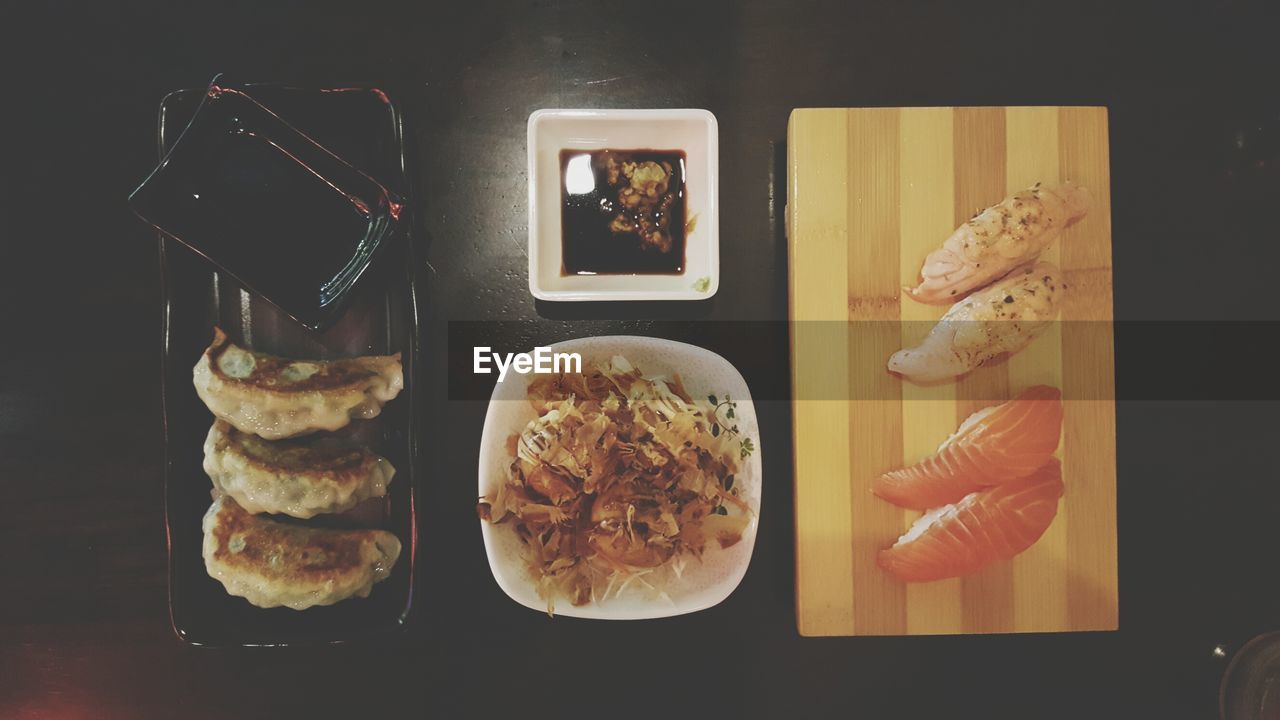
{"points": [[693, 131], [704, 582]]}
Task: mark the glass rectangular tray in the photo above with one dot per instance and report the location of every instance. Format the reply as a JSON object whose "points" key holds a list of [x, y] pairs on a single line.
{"points": [[269, 205]]}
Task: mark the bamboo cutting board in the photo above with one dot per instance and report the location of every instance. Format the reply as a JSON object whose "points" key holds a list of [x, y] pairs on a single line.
{"points": [[871, 192]]}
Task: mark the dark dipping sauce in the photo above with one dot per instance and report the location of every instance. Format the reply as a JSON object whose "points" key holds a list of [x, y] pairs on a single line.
{"points": [[622, 212]]}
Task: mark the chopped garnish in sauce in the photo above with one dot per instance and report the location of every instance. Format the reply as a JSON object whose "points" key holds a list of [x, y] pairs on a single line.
{"points": [[623, 212]]}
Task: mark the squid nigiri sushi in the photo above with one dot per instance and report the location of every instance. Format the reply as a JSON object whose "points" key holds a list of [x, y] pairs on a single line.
{"points": [[993, 446], [984, 528]]}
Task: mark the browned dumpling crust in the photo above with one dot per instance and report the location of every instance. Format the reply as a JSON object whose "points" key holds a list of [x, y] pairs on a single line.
{"points": [[302, 478], [276, 397], [272, 563]]}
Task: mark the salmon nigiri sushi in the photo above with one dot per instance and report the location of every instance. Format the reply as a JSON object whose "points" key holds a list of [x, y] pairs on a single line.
{"points": [[985, 527], [992, 446]]}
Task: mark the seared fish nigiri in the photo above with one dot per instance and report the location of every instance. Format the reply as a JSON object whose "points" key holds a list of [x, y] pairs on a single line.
{"points": [[1002, 318], [999, 239]]}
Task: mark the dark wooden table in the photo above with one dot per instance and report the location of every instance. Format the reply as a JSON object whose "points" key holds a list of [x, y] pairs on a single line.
{"points": [[84, 632]]}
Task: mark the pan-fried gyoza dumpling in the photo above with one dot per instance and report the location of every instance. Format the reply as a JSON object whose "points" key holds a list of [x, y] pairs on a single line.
{"points": [[272, 563], [302, 478], [277, 398]]}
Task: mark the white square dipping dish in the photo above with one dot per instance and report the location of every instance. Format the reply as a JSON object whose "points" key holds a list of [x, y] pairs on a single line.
{"points": [[705, 582], [693, 131]]}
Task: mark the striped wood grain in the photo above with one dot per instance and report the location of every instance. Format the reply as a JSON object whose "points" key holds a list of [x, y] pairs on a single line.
{"points": [[870, 193]]}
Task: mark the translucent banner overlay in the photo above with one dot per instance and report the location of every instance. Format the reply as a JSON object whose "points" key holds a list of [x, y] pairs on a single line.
{"points": [[1152, 360]]}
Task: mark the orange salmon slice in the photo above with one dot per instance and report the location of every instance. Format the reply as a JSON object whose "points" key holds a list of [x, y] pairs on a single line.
{"points": [[993, 446], [985, 527]]}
